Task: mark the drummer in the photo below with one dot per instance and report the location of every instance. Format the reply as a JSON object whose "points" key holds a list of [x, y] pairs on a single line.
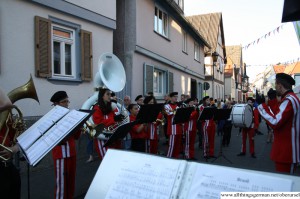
{"points": [[250, 132]]}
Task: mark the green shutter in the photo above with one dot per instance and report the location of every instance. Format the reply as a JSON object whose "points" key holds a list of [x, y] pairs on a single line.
{"points": [[42, 47], [148, 78], [86, 55]]}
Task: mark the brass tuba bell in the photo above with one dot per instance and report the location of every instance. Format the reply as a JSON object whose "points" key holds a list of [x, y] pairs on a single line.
{"points": [[26, 91]]}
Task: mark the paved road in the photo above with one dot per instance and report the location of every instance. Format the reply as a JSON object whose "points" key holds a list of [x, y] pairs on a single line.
{"points": [[41, 177]]}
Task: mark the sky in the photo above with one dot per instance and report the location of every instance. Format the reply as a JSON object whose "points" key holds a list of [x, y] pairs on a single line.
{"points": [[246, 21]]}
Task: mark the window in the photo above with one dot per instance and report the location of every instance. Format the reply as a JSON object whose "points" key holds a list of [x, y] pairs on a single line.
{"points": [[197, 52], [161, 22], [179, 3], [62, 50], [184, 41], [157, 80]]}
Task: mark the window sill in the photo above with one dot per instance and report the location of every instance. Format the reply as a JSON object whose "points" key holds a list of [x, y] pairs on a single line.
{"points": [[185, 52], [51, 79], [197, 61], [166, 38]]}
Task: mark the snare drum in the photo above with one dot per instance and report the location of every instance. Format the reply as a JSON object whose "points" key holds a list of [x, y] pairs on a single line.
{"points": [[242, 115]]}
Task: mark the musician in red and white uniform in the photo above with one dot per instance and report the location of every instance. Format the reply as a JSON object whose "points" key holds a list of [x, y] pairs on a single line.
{"points": [[285, 124], [106, 115], [151, 129], [138, 132], [64, 156], [209, 130], [190, 129], [174, 131], [250, 132]]}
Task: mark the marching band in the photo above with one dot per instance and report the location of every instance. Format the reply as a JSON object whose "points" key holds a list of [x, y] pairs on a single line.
{"points": [[282, 116]]}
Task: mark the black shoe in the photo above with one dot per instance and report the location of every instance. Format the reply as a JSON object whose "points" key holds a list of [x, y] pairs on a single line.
{"points": [[206, 157], [241, 154], [212, 156], [253, 155]]}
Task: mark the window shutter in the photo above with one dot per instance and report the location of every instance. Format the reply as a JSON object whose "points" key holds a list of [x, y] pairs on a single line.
{"points": [[148, 78], [171, 82], [42, 47], [86, 55]]}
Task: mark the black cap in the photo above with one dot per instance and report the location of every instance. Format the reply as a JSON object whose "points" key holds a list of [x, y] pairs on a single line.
{"points": [[285, 77], [205, 98], [188, 100], [138, 97], [173, 94], [58, 96]]}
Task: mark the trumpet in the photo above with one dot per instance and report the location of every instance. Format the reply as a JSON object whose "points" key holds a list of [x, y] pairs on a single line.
{"points": [[160, 120]]}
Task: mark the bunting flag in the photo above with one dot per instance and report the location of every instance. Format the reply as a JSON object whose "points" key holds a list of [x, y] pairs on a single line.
{"points": [[283, 63], [275, 31]]}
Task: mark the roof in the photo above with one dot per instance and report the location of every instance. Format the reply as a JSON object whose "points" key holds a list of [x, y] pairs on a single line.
{"points": [[289, 68], [293, 68], [296, 68], [228, 72], [208, 26], [278, 68], [234, 55]]}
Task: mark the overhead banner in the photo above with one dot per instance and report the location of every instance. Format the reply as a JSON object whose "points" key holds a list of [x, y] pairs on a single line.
{"points": [[297, 29]]}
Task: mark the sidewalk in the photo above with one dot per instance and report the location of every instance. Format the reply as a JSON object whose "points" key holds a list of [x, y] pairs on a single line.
{"points": [[41, 177]]}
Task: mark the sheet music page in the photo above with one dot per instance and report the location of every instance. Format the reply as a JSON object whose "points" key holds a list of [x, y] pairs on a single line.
{"points": [[144, 178], [131, 175], [54, 135], [28, 137], [210, 180]]}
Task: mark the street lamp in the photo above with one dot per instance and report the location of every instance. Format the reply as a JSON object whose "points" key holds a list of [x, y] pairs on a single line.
{"points": [[214, 56]]}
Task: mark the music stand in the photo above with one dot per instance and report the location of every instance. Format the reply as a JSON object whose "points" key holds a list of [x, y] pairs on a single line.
{"points": [[148, 113], [183, 115], [207, 113], [120, 133], [221, 114]]}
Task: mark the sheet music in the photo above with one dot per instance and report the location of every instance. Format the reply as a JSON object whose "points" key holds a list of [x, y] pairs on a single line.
{"points": [[28, 137], [132, 175], [209, 181], [48, 139], [144, 179]]}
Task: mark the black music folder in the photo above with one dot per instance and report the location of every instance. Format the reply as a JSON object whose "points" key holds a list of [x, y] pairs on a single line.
{"points": [[207, 113], [214, 113], [120, 133], [148, 113], [183, 115], [222, 114]]}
